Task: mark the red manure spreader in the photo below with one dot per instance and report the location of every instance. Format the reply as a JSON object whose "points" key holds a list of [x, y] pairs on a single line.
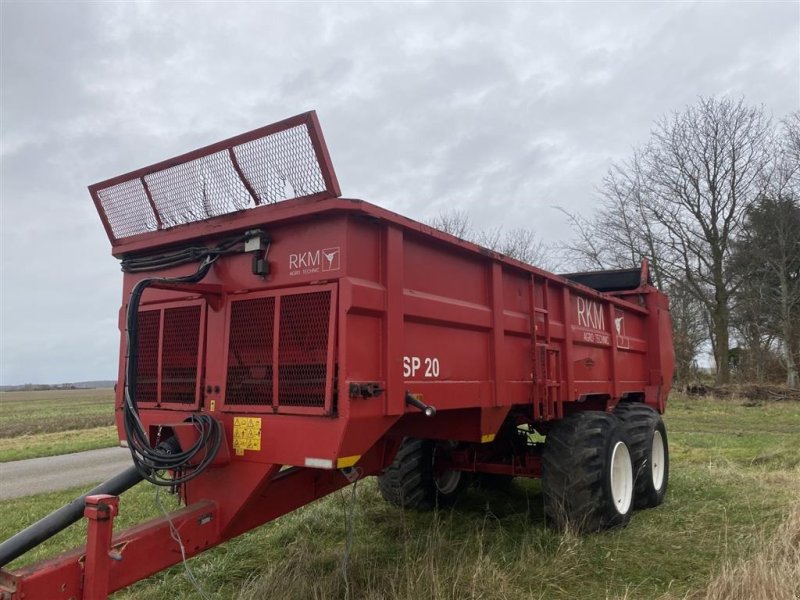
{"points": [[279, 342]]}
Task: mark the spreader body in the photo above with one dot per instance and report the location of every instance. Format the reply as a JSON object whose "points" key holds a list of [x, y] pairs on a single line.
{"points": [[329, 334]]}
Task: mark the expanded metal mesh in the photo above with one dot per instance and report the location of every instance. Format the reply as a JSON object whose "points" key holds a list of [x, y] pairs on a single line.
{"points": [[281, 166], [175, 344], [303, 349], [278, 162], [147, 367], [303, 345], [197, 190], [179, 354], [127, 209], [249, 379]]}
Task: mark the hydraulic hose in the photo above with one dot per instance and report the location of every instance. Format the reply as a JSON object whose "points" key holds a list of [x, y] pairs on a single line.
{"points": [[172, 466], [56, 521]]}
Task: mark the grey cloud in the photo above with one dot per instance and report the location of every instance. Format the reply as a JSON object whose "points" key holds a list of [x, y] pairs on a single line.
{"points": [[502, 109]]}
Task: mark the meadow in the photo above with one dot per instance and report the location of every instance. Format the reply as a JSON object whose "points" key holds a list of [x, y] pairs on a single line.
{"points": [[51, 422], [730, 528]]}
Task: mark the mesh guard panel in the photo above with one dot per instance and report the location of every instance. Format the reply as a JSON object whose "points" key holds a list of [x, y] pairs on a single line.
{"points": [[249, 379], [281, 161], [281, 364], [168, 367], [147, 367], [303, 349], [179, 354]]}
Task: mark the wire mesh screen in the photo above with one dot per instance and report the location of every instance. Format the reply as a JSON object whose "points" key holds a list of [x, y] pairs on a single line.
{"points": [[249, 379], [179, 354], [169, 355], [303, 349], [127, 209], [147, 366], [279, 162], [302, 365]]}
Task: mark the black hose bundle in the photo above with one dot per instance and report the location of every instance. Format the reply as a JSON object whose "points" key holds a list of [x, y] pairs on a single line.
{"points": [[154, 463]]}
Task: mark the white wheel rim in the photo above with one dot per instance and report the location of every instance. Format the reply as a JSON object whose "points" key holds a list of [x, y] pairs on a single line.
{"points": [[448, 481], [621, 478], [658, 458]]}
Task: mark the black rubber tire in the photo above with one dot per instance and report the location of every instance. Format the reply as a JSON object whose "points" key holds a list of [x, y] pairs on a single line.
{"points": [[641, 422], [409, 481], [576, 473]]}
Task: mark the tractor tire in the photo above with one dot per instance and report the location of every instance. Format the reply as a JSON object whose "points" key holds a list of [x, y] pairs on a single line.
{"points": [[411, 482], [587, 473], [649, 452]]}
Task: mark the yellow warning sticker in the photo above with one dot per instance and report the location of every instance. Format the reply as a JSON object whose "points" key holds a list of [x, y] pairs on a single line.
{"points": [[246, 434]]}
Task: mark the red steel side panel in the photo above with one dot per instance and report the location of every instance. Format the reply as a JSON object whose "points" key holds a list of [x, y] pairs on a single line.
{"points": [[410, 309]]}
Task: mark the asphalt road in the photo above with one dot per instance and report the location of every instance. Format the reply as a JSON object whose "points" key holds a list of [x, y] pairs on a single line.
{"points": [[53, 473]]}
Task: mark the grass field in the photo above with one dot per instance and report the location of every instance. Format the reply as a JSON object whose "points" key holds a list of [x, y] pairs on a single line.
{"points": [[732, 517], [46, 423]]}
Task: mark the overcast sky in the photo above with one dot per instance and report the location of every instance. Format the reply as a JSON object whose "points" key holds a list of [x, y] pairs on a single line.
{"points": [[504, 110]]}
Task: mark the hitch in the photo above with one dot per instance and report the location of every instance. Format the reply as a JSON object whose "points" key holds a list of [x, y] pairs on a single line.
{"points": [[100, 512]]}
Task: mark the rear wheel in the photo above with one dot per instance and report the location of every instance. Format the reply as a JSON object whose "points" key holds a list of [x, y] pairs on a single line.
{"points": [[649, 450], [587, 473], [412, 480]]}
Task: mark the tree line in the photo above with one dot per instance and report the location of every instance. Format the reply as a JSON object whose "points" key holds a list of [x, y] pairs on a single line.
{"points": [[712, 200]]}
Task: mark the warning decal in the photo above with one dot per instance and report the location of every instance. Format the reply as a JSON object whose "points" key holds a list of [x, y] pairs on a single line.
{"points": [[246, 434]]}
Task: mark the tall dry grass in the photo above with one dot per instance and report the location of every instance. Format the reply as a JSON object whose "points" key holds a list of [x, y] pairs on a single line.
{"points": [[435, 565], [440, 566], [772, 573]]}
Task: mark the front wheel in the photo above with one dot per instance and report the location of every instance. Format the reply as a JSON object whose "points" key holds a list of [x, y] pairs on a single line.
{"points": [[587, 473], [650, 452]]}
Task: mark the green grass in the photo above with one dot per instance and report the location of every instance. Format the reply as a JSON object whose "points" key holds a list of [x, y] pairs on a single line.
{"points": [[735, 476], [45, 423], [59, 442]]}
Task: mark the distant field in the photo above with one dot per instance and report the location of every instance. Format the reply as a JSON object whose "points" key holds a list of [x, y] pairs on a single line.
{"points": [[45, 423], [735, 479]]}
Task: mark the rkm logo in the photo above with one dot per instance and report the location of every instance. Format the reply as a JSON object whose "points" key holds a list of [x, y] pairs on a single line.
{"points": [[590, 314], [314, 261]]}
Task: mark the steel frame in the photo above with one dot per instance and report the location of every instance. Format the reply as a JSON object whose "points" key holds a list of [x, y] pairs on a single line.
{"points": [[308, 119], [110, 563]]}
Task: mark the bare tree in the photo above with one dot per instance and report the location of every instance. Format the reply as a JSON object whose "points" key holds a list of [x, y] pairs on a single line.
{"points": [[704, 168], [524, 245], [689, 330], [767, 256], [619, 235], [491, 238], [453, 221], [520, 243], [622, 231], [681, 201], [791, 145]]}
